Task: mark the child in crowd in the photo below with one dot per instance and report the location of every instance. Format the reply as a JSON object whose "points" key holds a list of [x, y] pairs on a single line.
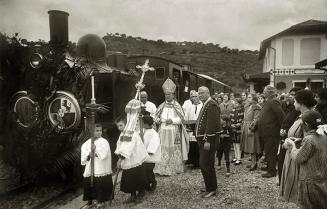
{"points": [[152, 144], [225, 143], [101, 189], [237, 116], [132, 153]]}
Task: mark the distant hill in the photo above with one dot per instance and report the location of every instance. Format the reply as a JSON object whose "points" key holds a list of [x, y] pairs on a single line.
{"points": [[223, 63]]}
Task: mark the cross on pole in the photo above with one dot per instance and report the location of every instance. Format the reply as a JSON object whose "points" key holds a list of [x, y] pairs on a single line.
{"points": [[144, 68]]}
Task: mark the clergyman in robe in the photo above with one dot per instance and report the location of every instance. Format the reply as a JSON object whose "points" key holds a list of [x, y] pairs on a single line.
{"points": [[172, 133]]}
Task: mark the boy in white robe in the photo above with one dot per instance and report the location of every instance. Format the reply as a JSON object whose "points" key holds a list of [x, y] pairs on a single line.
{"points": [[152, 145], [102, 182], [132, 153]]}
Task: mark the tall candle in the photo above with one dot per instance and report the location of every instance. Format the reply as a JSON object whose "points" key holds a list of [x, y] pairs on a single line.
{"points": [[92, 86]]}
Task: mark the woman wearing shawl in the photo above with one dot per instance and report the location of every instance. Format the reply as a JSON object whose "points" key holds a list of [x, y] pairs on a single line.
{"points": [[169, 117]]}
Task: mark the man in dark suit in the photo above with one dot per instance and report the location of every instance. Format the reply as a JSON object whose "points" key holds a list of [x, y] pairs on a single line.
{"points": [[269, 124], [207, 128]]}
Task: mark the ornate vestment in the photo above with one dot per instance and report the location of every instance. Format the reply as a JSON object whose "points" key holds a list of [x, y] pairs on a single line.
{"points": [[174, 146]]}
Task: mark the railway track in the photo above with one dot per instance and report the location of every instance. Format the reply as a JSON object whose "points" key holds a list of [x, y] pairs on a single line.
{"points": [[16, 191], [32, 196], [54, 201]]}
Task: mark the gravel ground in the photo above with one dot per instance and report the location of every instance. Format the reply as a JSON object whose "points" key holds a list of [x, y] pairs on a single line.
{"points": [[243, 189]]}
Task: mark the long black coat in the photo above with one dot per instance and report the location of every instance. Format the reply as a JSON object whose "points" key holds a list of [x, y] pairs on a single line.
{"points": [[270, 119]]}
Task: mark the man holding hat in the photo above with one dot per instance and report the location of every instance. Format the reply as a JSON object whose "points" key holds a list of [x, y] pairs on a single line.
{"points": [[207, 129], [269, 124]]}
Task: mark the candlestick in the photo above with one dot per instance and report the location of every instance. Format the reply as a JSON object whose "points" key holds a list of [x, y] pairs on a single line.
{"points": [[92, 86]]}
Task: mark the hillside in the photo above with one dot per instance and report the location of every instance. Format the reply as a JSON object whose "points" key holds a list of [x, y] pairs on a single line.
{"points": [[223, 63]]}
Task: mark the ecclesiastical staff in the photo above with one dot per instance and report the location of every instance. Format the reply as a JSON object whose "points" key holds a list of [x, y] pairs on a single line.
{"points": [[93, 103], [132, 115], [139, 86]]}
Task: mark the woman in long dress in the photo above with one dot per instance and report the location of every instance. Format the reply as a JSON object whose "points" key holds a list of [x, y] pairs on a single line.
{"points": [[288, 190], [250, 139]]}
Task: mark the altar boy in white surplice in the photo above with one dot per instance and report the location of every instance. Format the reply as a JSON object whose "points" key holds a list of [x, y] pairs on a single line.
{"points": [[172, 133], [132, 154]]}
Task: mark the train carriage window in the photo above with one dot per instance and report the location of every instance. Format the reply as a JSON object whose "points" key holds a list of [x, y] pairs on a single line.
{"points": [[131, 67], [176, 75], [160, 73], [186, 81]]}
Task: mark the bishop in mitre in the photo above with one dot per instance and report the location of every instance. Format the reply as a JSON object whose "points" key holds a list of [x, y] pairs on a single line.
{"points": [[174, 146]]}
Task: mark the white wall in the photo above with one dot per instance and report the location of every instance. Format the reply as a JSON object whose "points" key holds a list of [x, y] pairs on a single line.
{"points": [[277, 44]]}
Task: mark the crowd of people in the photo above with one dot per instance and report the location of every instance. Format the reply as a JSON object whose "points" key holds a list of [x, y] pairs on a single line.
{"points": [[285, 132]]}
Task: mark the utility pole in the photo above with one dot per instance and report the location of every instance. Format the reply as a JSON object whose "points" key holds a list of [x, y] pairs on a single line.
{"points": [[273, 82]]}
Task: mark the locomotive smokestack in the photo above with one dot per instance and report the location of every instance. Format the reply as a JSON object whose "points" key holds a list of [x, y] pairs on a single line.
{"points": [[58, 21]]}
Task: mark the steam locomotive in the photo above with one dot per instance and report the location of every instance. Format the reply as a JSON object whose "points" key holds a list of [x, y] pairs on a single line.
{"points": [[47, 119]]}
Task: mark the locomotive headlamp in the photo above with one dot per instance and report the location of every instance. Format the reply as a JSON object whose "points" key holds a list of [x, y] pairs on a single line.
{"points": [[36, 60]]}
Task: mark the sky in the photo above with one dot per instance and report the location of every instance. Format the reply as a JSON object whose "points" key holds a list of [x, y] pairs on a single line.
{"points": [[241, 24]]}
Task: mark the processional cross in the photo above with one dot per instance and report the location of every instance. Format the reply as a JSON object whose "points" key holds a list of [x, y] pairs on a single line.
{"points": [[144, 68], [132, 122]]}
